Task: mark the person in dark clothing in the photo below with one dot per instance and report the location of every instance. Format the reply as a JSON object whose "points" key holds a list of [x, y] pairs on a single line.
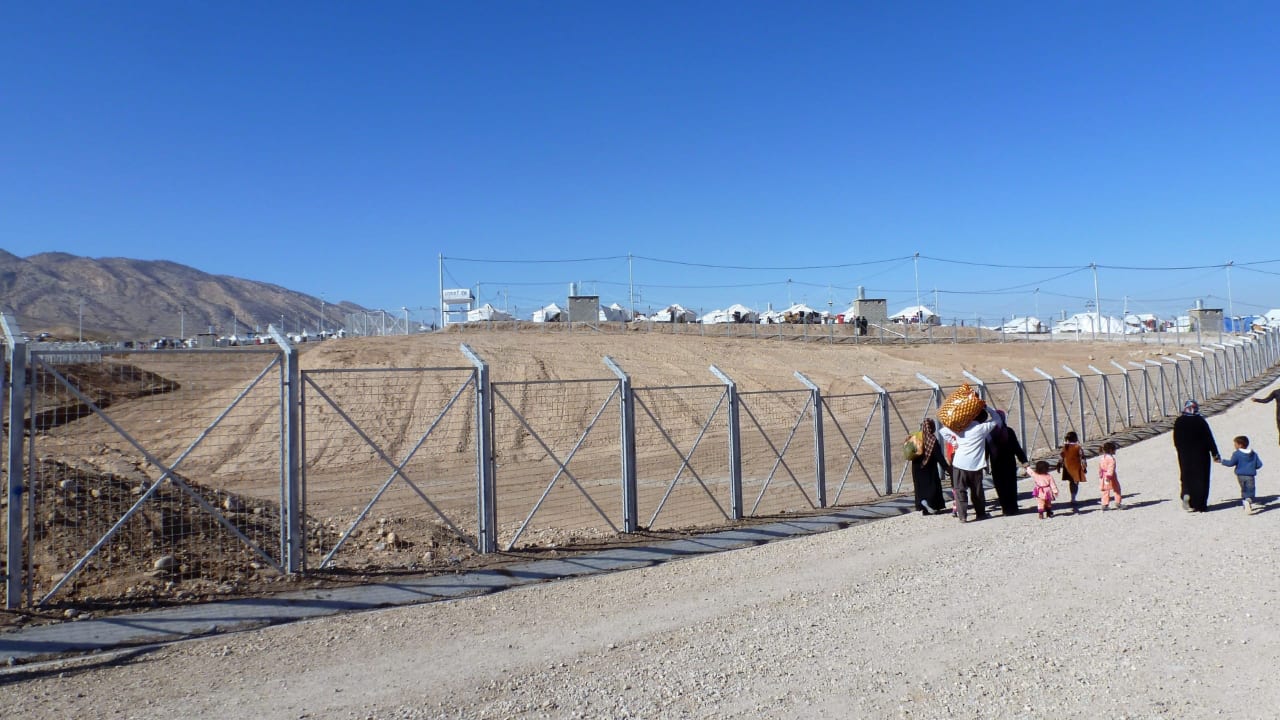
{"points": [[1006, 453], [1274, 396], [928, 469], [1193, 439]]}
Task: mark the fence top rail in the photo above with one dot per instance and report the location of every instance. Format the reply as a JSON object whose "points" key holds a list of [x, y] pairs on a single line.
{"points": [[790, 391], [578, 381], [113, 351], [713, 386], [329, 371]]}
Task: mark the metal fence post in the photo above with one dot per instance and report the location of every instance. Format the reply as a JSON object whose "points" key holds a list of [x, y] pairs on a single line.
{"points": [[735, 445], [1079, 397], [982, 386], [1105, 387], [630, 490], [1146, 389], [1128, 389], [819, 450], [1191, 375], [486, 485], [1161, 404], [15, 386], [886, 446], [292, 547], [1177, 381], [1053, 404], [1021, 393], [937, 389]]}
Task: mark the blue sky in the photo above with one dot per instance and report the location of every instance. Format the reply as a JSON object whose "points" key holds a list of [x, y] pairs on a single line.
{"points": [[340, 148]]}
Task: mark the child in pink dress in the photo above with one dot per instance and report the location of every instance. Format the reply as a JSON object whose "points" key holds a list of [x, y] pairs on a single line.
{"points": [[1109, 483], [1044, 488]]}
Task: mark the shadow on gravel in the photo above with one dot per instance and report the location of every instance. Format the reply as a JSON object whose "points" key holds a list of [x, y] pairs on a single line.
{"points": [[117, 659]]}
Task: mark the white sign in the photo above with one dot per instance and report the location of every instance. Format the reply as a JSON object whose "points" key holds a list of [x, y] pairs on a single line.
{"points": [[457, 295]]}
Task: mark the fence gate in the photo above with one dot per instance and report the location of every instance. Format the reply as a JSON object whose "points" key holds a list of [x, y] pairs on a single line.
{"points": [[779, 471], [153, 474], [389, 472], [558, 449], [682, 456]]}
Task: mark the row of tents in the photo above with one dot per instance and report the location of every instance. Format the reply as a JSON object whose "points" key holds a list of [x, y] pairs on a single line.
{"points": [[803, 314]]}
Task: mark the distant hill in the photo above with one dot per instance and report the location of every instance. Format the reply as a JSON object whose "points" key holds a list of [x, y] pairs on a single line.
{"points": [[143, 299]]}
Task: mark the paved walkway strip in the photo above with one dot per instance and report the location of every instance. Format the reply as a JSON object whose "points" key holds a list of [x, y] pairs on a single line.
{"points": [[168, 625]]}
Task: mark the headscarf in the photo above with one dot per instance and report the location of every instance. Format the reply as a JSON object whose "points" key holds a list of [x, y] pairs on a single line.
{"points": [[1191, 407], [1003, 433], [928, 431]]}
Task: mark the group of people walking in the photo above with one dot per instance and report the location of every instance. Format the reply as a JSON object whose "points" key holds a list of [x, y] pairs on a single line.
{"points": [[988, 443]]}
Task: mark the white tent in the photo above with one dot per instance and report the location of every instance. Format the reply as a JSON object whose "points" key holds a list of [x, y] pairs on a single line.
{"points": [[1021, 325], [1141, 322], [614, 313], [1087, 323], [732, 314], [800, 313], [550, 313], [1272, 318], [915, 313], [675, 314], [487, 312]]}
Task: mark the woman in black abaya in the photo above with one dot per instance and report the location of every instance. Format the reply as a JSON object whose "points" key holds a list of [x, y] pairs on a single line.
{"points": [[1006, 453], [1194, 442], [928, 469]]}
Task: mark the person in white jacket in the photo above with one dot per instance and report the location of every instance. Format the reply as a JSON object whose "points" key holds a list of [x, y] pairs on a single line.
{"points": [[969, 461]]}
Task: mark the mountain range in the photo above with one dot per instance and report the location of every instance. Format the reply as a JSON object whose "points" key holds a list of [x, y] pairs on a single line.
{"points": [[117, 298]]}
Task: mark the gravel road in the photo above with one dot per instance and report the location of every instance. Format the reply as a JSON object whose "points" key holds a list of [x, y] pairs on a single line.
{"points": [[1148, 612]]}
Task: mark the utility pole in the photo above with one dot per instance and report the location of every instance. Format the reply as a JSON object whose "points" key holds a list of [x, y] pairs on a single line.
{"points": [[1097, 305], [631, 287], [915, 261], [81, 315], [1231, 312]]}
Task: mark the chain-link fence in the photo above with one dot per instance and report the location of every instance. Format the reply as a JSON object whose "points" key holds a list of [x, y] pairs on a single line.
{"points": [[171, 474], [150, 469], [557, 451], [389, 467]]}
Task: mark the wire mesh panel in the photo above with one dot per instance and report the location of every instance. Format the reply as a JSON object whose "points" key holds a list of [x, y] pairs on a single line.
{"points": [[778, 456], [558, 448], [682, 456], [853, 446], [390, 477], [1041, 438], [154, 474]]}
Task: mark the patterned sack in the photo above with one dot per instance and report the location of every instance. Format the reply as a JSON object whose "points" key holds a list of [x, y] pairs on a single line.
{"points": [[913, 445], [960, 408]]}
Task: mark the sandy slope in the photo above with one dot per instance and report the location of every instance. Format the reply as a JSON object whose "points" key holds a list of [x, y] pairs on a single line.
{"points": [[1148, 612]]}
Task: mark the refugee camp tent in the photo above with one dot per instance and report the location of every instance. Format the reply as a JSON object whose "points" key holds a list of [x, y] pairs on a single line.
{"points": [[675, 314], [1022, 325], [915, 313], [801, 314], [487, 312], [549, 313], [1089, 323], [1141, 322], [614, 313], [733, 314], [1272, 318]]}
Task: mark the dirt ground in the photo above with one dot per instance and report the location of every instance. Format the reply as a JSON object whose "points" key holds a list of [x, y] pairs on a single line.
{"points": [[1144, 612], [163, 400]]}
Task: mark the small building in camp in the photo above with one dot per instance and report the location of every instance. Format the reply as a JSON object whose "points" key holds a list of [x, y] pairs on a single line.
{"points": [[875, 310]]}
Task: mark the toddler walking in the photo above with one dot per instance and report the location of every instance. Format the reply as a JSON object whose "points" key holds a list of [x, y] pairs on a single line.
{"points": [[1109, 483], [1246, 462], [1073, 465], [1044, 488]]}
